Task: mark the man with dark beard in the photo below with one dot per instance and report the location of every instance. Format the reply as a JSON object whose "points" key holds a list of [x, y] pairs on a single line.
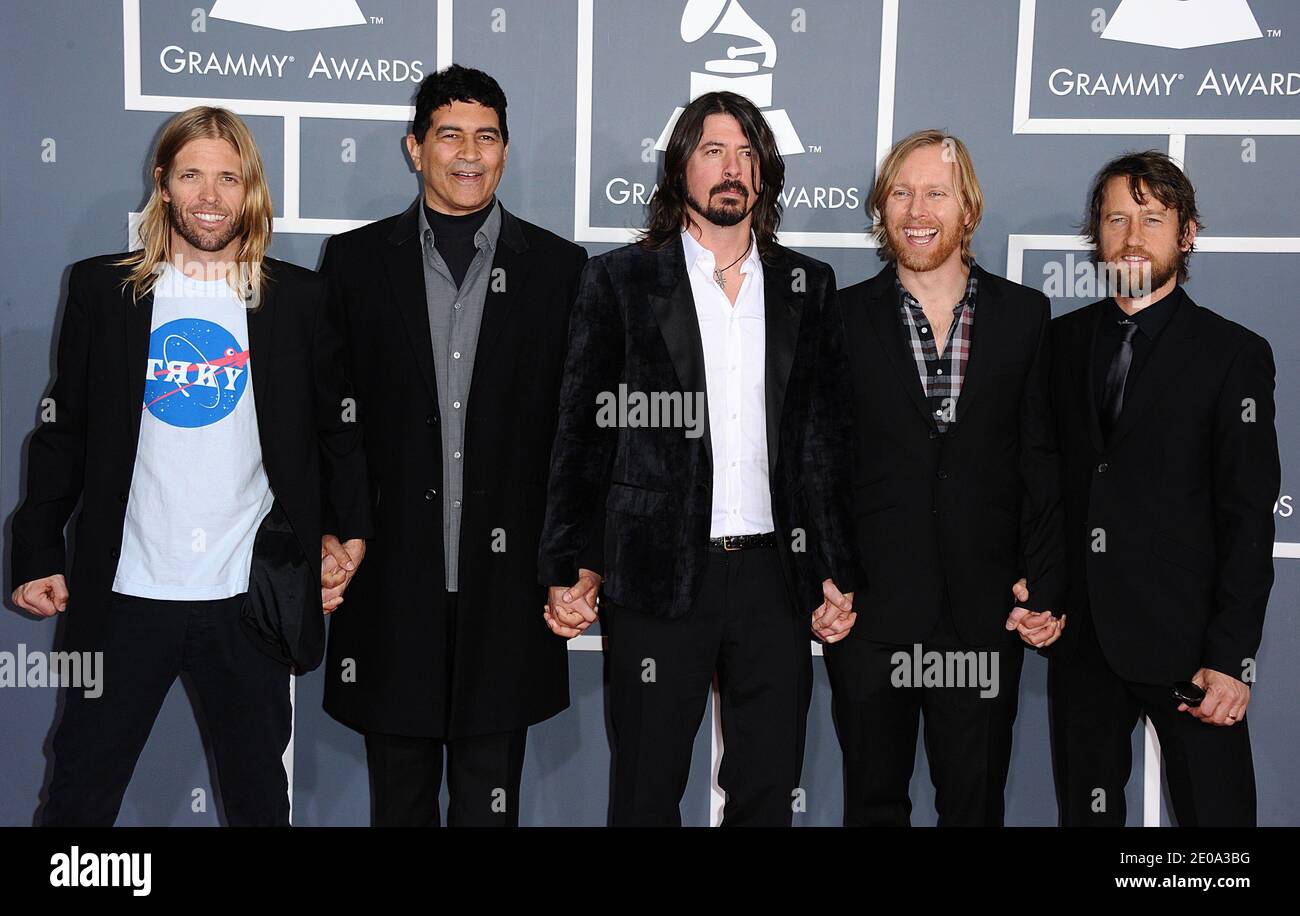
{"points": [[955, 498], [1166, 418], [718, 546]]}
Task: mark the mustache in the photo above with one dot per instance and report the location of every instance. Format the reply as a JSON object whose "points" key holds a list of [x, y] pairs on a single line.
{"points": [[733, 186]]}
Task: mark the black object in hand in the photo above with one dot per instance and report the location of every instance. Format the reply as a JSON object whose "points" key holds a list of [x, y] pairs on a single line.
{"points": [[1187, 692]]}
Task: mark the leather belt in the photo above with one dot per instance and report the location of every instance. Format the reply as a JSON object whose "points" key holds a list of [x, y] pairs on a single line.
{"points": [[733, 542]]}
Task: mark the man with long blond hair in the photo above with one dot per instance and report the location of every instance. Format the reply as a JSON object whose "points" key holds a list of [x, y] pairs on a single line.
{"points": [[955, 499], [200, 480]]}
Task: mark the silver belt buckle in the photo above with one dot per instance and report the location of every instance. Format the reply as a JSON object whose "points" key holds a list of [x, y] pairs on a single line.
{"points": [[726, 542]]}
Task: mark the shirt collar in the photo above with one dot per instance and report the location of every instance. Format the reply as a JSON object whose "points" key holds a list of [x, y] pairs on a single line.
{"points": [[1150, 320], [967, 297], [694, 252], [487, 235]]}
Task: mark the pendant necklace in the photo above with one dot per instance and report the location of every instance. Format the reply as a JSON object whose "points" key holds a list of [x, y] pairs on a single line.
{"points": [[718, 274]]}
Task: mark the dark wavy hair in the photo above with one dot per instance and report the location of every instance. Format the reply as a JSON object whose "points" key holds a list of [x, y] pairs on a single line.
{"points": [[1162, 178], [668, 207], [457, 84]]}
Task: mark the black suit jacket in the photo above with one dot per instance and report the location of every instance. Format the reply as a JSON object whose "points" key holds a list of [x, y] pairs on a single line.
{"points": [[1170, 522], [509, 670], [311, 455], [635, 504], [969, 511]]}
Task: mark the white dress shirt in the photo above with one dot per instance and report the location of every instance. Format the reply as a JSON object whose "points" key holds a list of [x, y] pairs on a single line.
{"points": [[735, 346]]}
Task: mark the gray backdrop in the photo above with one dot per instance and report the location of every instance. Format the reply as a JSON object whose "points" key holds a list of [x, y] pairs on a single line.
{"points": [[88, 83]]}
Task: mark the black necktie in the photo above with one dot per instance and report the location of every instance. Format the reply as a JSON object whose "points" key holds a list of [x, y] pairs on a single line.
{"points": [[1112, 400]]}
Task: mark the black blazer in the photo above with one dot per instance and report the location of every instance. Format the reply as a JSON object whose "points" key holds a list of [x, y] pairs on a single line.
{"points": [[1182, 492], [635, 504], [87, 454], [969, 511], [509, 670]]}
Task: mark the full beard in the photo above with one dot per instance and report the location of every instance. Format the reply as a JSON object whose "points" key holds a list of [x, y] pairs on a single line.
{"points": [[928, 258], [1141, 281], [186, 228]]}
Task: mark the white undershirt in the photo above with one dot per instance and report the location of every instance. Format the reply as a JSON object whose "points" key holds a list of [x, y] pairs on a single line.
{"points": [[734, 343]]}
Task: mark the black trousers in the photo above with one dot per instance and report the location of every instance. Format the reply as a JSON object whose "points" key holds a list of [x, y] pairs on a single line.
{"points": [[1209, 769], [483, 774], [742, 628], [483, 771], [243, 699], [878, 706]]}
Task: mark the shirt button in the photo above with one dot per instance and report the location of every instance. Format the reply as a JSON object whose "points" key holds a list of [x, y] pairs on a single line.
{"points": [[457, 306], [1103, 468], [456, 503], [456, 355], [938, 413], [925, 330], [456, 404], [455, 454], [939, 371]]}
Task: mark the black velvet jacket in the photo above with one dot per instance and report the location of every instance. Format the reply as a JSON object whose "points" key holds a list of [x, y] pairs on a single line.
{"points": [[634, 503]]}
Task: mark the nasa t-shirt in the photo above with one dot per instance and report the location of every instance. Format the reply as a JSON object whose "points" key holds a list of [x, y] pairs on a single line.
{"points": [[199, 491]]}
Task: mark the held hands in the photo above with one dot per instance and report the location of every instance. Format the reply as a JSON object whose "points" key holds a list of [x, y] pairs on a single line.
{"points": [[338, 564], [43, 597], [1226, 698], [569, 611], [1036, 628], [833, 619]]}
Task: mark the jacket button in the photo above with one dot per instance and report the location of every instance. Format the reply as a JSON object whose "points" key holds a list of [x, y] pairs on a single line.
{"points": [[431, 419], [1103, 468], [121, 497], [934, 434], [942, 475], [114, 553], [430, 493]]}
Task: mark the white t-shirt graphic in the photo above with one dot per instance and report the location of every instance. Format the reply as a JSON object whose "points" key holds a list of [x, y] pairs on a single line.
{"points": [[199, 491]]}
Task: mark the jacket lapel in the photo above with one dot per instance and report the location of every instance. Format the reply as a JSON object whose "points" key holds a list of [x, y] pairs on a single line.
{"points": [[502, 297], [1082, 368], [882, 309], [137, 326], [674, 309], [404, 265], [782, 313], [261, 346]]}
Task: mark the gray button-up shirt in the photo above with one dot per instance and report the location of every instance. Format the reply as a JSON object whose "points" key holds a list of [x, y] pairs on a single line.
{"points": [[454, 317]]}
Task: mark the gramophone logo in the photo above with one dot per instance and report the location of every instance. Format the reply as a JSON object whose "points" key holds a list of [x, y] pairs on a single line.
{"points": [[290, 15], [1182, 23], [734, 73]]}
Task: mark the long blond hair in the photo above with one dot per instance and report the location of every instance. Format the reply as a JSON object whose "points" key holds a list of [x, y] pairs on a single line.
{"points": [[966, 186], [254, 219]]}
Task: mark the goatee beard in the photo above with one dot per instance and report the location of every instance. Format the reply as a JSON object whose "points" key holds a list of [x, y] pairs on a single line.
{"points": [[720, 216]]}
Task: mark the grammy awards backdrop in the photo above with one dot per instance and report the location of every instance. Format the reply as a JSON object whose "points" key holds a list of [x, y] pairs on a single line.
{"points": [[1042, 91]]}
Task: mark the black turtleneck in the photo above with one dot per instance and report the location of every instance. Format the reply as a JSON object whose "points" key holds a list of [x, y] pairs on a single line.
{"points": [[453, 236]]}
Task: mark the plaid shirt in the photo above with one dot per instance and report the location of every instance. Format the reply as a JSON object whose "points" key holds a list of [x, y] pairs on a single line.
{"points": [[941, 376]]}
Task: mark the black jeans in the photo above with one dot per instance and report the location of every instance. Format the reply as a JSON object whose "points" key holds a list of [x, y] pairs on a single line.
{"points": [[243, 697]]}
